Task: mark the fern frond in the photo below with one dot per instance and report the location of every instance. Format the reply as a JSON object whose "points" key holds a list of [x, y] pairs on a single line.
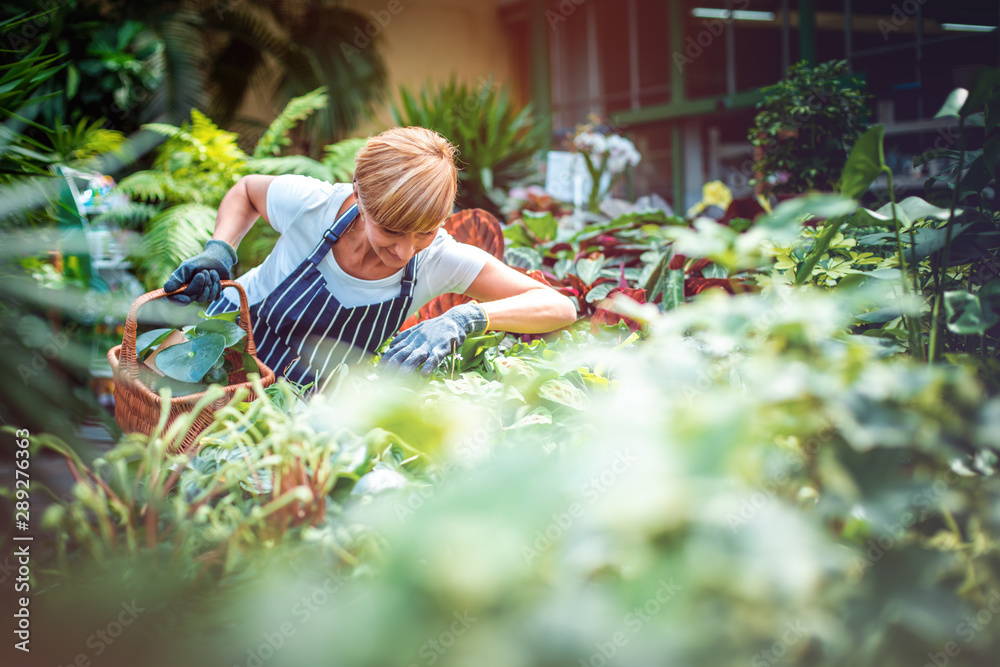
{"points": [[132, 215], [290, 164], [172, 236], [146, 185], [340, 156], [297, 110], [163, 128]]}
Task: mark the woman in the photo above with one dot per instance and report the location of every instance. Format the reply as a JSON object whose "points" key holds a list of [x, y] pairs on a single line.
{"points": [[355, 260]]}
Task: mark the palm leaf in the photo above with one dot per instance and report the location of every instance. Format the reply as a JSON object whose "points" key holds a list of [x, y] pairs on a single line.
{"points": [[183, 86], [297, 110], [496, 141]]}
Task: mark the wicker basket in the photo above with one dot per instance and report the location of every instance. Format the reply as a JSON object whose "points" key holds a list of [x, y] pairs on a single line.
{"points": [[137, 407]]}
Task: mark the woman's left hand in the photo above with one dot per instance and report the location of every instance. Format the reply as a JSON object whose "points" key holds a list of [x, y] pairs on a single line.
{"points": [[429, 342]]}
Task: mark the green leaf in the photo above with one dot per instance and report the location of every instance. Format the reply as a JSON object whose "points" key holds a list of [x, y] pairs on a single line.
{"points": [[789, 214], [863, 164], [882, 315], [589, 270], [564, 393], [983, 91], [673, 289], [150, 339], [231, 331], [226, 317], [908, 211], [523, 258], [715, 271], [966, 314], [518, 237], [188, 362], [952, 106], [929, 241], [600, 292], [297, 110], [249, 365], [542, 225]]}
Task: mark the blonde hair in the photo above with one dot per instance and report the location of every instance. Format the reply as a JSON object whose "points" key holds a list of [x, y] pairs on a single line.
{"points": [[406, 179]]}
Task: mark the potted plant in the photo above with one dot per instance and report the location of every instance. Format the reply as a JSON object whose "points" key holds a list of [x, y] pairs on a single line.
{"points": [[603, 153], [805, 127]]}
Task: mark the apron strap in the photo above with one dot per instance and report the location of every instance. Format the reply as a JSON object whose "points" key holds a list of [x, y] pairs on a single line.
{"points": [[406, 285], [332, 235]]}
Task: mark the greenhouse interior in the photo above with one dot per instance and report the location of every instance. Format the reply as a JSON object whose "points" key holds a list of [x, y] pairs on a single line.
{"points": [[514, 333]]}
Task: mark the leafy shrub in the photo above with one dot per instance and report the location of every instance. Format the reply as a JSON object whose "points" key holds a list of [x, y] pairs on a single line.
{"points": [[805, 126]]}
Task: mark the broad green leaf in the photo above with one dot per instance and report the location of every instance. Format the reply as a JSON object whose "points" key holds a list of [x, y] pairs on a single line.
{"points": [[232, 332], [991, 154], [188, 362], [983, 91], [589, 270], [790, 214], [523, 258], [883, 274], [863, 164], [881, 315], [991, 292], [177, 387], [929, 241], [952, 106], [542, 225], [518, 237], [966, 313], [249, 365], [673, 289], [600, 292], [715, 271], [564, 393], [146, 341], [908, 211], [228, 317], [562, 267]]}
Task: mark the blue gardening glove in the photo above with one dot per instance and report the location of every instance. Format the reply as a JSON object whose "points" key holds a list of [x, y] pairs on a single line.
{"points": [[429, 342], [202, 274]]}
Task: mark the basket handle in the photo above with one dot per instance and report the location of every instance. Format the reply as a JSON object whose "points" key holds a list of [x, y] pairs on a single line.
{"points": [[129, 361]]}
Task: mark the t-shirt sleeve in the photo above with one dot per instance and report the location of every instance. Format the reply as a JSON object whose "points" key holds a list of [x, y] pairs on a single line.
{"points": [[291, 196], [452, 266]]}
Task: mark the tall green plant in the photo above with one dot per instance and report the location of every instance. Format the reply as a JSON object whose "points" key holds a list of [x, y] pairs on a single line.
{"points": [[943, 259], [496, 141], [110, 66], [804, 127]]}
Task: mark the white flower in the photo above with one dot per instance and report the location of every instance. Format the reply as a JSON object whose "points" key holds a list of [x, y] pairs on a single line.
{"points": [[591, 142], [622, 154]]}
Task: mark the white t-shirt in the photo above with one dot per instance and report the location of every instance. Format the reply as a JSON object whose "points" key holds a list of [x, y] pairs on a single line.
{"points": [[302, 208]]}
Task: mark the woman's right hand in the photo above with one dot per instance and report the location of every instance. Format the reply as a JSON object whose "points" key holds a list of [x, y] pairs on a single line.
{"points": [[202, 274]]}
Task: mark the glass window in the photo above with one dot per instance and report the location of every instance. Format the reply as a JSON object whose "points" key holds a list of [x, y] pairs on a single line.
{"points": [[655, 64]]}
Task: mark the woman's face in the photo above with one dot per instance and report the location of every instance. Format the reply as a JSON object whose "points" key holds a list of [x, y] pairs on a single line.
{"points": [[395, 249]]}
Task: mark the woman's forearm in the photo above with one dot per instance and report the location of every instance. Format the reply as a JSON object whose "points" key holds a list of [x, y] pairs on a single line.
{"points": [[538, 310], [237, 213]]}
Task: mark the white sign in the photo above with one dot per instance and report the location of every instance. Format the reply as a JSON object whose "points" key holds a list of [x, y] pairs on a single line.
{"points": [[567, 178]]}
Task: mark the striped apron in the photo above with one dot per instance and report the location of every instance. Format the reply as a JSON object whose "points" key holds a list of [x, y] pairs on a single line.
{"points": [[301, 330]]}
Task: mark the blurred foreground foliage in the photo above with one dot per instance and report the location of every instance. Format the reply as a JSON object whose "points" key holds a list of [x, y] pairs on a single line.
{"points": [[740, 480]]}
